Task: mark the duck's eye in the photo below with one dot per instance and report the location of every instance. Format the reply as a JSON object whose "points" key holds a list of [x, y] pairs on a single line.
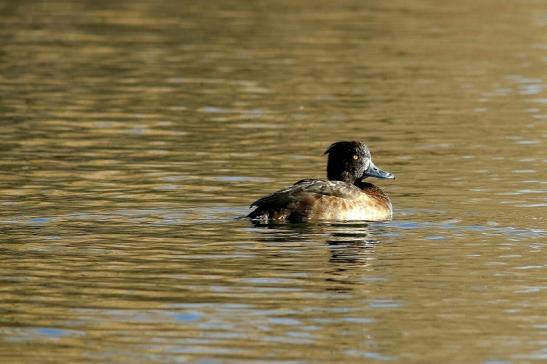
{"points": [[355, 157]]}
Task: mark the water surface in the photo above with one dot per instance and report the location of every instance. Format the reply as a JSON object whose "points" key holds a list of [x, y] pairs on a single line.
{"points": [[135, 133]]}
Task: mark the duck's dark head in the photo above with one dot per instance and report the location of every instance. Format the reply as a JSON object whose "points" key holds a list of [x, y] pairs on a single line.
{"points": [[351, 162]]}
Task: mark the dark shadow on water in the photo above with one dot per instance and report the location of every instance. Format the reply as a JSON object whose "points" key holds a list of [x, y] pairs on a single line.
{"points": [[351, 245], [346, 240]]}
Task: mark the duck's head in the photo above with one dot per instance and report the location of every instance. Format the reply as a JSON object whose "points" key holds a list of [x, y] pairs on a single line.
{"points": [[351, 162]]}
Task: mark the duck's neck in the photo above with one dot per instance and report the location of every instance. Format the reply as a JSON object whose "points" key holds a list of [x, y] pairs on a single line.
{"points": [[338, 172], [362, 184], [341, 176]]}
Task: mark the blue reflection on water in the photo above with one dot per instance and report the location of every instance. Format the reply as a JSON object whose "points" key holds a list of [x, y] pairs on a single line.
{"points": [[188, 316], [39, 220], [51, 332]]}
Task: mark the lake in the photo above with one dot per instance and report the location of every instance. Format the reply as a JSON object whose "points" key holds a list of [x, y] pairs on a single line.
{"points": [[135, 134]]}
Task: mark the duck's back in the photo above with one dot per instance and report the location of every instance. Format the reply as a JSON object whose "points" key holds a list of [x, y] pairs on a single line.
{"points": [[315, 199]]}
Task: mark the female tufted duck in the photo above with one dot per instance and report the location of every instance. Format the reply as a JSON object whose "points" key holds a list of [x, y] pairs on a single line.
{"points": [[344, 196]]}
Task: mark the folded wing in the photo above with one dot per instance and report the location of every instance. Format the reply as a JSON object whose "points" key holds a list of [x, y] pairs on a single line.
{"points": [[303, 190]]}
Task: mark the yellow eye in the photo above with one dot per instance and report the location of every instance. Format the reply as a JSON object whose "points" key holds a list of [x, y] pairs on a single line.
{"points": [[355, 157]]}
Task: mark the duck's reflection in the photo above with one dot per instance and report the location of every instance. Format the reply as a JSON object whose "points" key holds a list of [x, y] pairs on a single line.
{"points": [[347, 242], [351, 246], [350, 243]]}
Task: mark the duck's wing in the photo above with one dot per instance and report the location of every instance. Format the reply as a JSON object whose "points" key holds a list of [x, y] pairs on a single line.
{"points": [[305, 187]]}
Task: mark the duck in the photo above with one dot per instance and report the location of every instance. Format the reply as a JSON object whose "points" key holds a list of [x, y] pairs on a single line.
{"points": [[343, 196]]}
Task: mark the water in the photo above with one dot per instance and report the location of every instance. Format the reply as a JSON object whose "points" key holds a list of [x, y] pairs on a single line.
{"points": [[135, 133]]}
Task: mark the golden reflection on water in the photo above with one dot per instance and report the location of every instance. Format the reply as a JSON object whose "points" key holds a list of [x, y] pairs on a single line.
{"points": [[135, 133]]}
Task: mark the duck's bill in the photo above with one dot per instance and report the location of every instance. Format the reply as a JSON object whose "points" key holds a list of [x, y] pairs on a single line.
{"points": [[373, 171]]}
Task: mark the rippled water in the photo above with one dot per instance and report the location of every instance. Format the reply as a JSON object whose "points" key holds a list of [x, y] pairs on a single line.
{"points": [[135, 133]]}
